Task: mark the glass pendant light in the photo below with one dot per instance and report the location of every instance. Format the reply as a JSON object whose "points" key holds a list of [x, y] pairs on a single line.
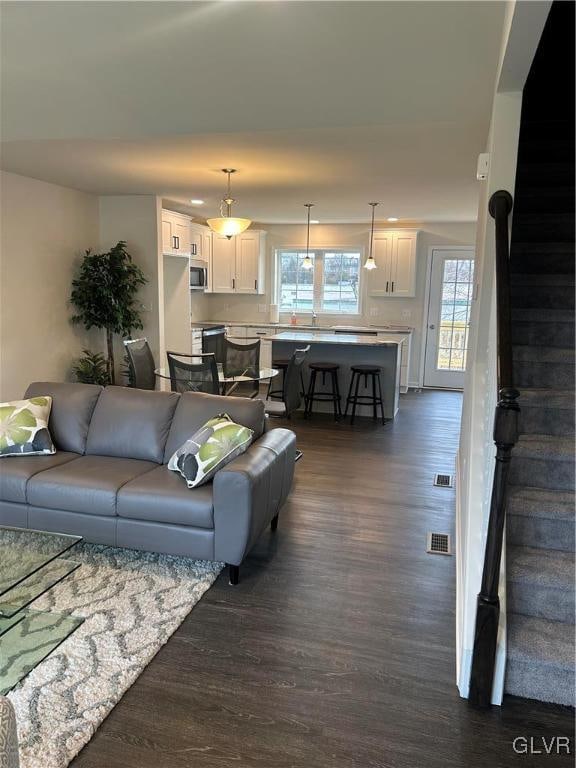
{"points": [[308, 263], [370, 263], [227, 225]]}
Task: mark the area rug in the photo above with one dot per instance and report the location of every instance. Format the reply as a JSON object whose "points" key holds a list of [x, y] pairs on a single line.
{"points": [[132, 602]]}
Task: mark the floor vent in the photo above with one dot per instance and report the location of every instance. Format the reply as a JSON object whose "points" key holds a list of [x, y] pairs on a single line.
{"points": [[443, 481], [438, 544]]}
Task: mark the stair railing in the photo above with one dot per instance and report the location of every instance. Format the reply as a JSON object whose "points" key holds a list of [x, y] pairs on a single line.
{"points": [[505, 438]]}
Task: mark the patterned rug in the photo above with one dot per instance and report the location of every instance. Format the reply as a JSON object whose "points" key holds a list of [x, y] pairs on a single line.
{"points": [[132, 602]]}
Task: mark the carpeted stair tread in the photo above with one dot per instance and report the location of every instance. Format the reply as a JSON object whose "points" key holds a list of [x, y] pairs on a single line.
{"points": [[540, 659], [542, 567], [537, 397], [541, 640], [541, 280], [544, 461], [537, 354], [545, 447], [542, 503], [543, 333], [535, 315]]}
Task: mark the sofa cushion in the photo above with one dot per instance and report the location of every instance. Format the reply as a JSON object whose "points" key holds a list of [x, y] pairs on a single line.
{"points": [[195, 408], [72, 407], [131, 423], [162, 497], [89, 484], [15, 473]]}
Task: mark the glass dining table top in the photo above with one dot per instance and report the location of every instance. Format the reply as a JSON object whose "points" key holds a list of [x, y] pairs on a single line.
{"points": [[228, 378]]}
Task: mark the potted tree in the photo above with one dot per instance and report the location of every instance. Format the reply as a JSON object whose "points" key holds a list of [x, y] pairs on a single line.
{"points": [[104, 296]]}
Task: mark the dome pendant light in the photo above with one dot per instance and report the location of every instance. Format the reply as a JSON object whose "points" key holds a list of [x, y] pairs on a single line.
{"points": [[308, 263], [370, 263], [227, 225]]}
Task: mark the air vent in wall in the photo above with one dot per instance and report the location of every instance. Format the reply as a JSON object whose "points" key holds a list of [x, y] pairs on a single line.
{"points": [[438, 544], [443, 481]]}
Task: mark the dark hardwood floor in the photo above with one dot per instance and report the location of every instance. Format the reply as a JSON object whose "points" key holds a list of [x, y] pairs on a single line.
{"points": [[336, 650]]}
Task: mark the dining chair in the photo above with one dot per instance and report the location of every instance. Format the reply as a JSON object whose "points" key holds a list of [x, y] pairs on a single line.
{"points": [[140, 363], [243, 360], [193, 373], [291, 389]]}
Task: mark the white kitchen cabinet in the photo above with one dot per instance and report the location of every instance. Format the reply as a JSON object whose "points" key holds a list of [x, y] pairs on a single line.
{"points": [[238, 264], [395, 255], [175, 234], [200, 242], [404, 358], [223, 265], [250, 262]]}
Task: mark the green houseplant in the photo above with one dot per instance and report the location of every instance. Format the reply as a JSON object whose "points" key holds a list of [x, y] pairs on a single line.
{"points": [[104, 296], [91, 368]]}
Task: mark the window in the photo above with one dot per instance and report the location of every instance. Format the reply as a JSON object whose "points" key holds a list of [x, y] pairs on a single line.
{"points": [[457, 285], [332, 286]]}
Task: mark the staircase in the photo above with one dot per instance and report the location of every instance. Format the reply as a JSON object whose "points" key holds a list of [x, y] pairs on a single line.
{"points": [[540, 511]]}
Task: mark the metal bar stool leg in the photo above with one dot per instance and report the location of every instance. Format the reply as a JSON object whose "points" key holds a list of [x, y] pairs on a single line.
{"points": [[374, 400], [355, 400], [381, 400], [349, 396], [339, 396], [310, 395], [335, 396]]}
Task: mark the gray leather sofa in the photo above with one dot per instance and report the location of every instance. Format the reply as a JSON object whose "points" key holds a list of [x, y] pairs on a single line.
{"points": [[109, 481]]}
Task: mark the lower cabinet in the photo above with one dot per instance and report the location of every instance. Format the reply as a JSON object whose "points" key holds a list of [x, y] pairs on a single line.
{"points": [[255, 332]]}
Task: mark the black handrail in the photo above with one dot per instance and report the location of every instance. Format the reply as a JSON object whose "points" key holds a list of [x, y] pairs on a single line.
{"points": [[505, 438]]}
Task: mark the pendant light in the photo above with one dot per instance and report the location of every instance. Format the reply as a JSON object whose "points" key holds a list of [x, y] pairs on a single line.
{"points": [[370, 263], [227, 225], [308, 263]]}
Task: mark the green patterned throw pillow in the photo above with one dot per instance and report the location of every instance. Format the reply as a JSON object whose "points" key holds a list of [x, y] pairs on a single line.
{"points": [[212, 447], [24, 427]]}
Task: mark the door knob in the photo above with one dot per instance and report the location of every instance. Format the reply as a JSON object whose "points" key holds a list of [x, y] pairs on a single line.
{"points": [[432, 327]]}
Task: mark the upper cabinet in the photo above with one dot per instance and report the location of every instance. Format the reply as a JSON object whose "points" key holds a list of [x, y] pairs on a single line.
{"points": [[176, 234], [238, 265], [395, 255]]}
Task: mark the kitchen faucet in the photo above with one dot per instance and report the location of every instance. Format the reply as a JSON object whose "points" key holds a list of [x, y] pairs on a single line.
{"points": [[314, 318]]}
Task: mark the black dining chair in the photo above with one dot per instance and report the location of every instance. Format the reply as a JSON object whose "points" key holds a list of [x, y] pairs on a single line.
{"points": [[291, 389], [140, 364], [193, 373], [243, 360]]}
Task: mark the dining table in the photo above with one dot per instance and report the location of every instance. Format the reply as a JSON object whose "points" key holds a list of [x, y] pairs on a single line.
{"points": [[229, 382]]}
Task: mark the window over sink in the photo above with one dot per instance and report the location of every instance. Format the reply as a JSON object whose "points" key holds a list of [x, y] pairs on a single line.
{"points": [[332, 286]]}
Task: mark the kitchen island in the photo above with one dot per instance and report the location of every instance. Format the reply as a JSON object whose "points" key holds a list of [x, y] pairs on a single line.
{"points": [[347, 349]]}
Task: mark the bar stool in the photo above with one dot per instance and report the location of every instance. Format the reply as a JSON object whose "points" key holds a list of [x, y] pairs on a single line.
{"points": [[277, 394], [374, 400], [324, 397]]}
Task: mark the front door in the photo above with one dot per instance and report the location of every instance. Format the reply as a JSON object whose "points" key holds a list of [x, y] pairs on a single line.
{"points": [[450, 301]]}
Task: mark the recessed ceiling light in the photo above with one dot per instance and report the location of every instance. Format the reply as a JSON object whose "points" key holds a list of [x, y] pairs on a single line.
{"points": [[197, 202], [392, 218], [314, 221]]}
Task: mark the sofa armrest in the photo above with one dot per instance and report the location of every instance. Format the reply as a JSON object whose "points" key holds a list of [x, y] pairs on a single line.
{"points": [[250, 491]]}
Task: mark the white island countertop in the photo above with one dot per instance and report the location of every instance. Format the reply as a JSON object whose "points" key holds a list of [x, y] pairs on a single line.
{"points": [[344, 339]]}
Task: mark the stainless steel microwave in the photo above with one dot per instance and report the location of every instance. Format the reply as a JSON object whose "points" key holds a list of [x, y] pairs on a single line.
{"points": [[198, 276]]}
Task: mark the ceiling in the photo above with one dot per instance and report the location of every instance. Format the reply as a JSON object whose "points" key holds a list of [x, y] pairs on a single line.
{"points": [[336, 103]]}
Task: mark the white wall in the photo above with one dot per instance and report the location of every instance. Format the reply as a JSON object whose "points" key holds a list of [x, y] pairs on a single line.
{"points": [[475, 462], [44, 231], [232, 307], [137, 219]]}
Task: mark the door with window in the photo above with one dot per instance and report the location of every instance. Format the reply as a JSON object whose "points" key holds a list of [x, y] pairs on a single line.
{"points": [[448, 326], [332, 286]]}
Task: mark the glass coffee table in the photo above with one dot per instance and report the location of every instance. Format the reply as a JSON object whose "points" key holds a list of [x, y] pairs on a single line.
{"points": [[30, 565]]}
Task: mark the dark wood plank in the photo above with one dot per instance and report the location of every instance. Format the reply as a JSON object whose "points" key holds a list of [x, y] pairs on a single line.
{"points": [[336, 650]]}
